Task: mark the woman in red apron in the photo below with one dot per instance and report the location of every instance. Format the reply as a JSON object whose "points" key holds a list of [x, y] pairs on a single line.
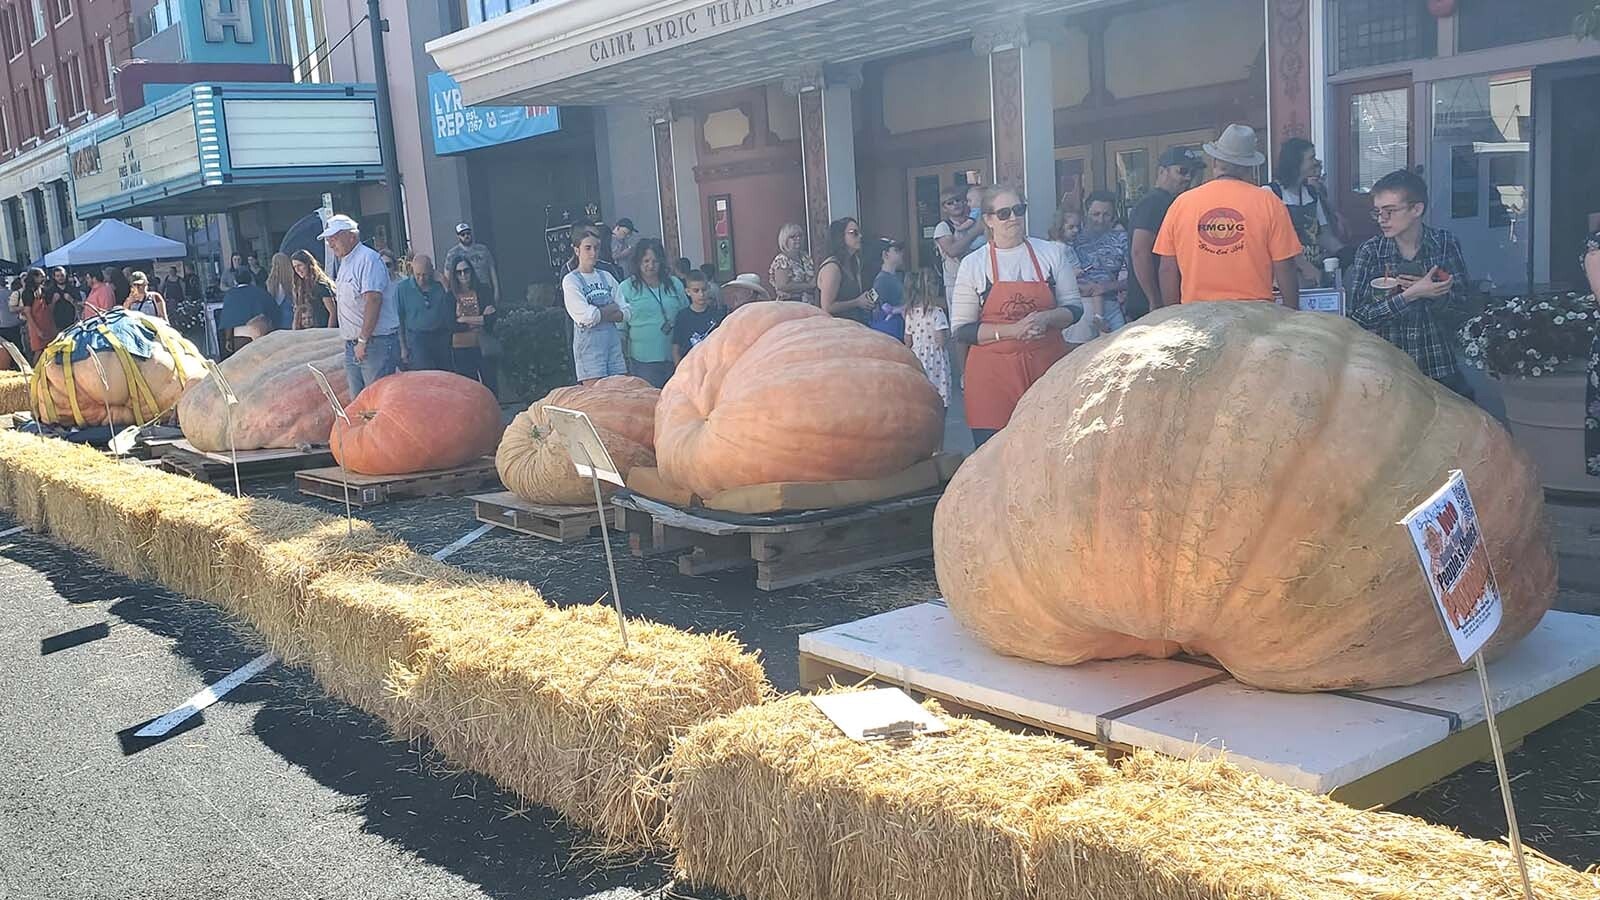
{"points": [[1024, 293]]}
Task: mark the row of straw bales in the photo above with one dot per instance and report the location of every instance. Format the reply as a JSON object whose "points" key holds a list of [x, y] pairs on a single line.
{"points": [[543, 699], [13, 390], [772, 802], [679, 743]]}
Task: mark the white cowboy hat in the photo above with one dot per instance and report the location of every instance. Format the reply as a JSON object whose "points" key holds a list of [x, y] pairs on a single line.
{"points": [[1237, 145], [752, 283]]}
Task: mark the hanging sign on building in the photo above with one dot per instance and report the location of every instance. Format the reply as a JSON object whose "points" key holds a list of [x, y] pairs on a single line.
{"points": [[458, 127]]}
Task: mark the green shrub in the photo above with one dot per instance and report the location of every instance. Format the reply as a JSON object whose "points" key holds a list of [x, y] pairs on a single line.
{"points": [[535, 352]]}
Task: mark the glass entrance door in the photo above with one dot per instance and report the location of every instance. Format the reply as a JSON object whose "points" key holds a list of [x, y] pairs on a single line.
{"points": [[1375, 140]]}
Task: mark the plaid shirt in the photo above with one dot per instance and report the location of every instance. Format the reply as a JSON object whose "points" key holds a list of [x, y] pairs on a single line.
{"points": [[1408, 324]]}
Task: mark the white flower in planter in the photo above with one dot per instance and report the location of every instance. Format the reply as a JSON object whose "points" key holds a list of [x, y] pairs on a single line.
{"points": [[1561, 320]]}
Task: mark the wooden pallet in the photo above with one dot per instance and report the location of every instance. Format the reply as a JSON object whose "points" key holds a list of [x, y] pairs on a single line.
{"points": [[1365, 748], [784, 553], [552, 523], [216, 468], [375, 490]]}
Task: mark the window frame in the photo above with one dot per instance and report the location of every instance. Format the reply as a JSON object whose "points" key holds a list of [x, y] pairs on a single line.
{"points": [[107, 56], [41, 25], [59, 6], [51, 101]]}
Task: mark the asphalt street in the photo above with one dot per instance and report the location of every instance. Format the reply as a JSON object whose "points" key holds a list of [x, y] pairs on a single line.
{"points": [[276, 791]]}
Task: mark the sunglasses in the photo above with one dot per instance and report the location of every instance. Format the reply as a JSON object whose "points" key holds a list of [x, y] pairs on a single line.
{"points": [[463, 271], [1005, 213]]}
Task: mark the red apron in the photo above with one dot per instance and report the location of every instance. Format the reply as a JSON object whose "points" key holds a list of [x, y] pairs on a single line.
{"points": [[998, 373]]}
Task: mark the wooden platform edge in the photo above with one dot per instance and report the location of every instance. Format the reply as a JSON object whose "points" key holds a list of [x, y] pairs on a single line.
{"points": [[558, 525], [1396, 781], [366, 490]]}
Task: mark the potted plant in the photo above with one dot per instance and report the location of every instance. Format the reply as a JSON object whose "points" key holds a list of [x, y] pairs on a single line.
{"points": [[1537, 347]]}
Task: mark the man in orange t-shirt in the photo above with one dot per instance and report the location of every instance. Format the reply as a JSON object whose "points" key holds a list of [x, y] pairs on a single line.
{"points": [[1227, 239]]}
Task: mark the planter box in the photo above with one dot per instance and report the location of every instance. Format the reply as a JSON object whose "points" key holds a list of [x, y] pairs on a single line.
{"points": [[1546, 418]]}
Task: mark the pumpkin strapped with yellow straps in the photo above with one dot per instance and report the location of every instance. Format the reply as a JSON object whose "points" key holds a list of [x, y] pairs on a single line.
{"points": [[131, 336]]}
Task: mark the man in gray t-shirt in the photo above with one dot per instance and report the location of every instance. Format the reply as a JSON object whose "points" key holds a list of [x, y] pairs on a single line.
{"points": [[474, 252], [369, 320]]}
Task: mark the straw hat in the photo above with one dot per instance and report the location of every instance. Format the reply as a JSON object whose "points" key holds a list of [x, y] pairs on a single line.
{"points": [[1237, 145]]}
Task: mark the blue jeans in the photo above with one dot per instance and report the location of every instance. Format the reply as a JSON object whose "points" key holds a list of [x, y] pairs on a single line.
{"points": [[428, 350], [383, 358]]}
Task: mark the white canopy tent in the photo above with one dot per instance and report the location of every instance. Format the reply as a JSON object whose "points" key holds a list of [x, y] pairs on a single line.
{"points": [[112, 241]]}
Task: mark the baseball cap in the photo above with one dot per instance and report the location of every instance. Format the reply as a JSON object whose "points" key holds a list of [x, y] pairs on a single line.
{"points": [[889, 243], [336, 224], [627, 223], [1180, 156], [463, 228]]}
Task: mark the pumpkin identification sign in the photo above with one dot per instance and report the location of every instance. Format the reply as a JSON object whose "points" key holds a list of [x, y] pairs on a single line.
{"points": [[1455, 562]]}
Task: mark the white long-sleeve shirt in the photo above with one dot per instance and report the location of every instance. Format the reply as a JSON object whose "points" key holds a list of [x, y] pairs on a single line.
{"points": [[1058, 262], [584, 295]]}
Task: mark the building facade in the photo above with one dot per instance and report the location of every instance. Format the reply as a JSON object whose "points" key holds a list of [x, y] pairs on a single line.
{"points": [[59, 82]]}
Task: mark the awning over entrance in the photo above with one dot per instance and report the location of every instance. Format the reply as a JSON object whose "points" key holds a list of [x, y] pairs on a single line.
{"points": [[588, 52], [213, 147]]}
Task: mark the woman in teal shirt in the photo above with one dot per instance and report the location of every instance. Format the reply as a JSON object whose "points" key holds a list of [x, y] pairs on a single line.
{"points": [[655, 296]]}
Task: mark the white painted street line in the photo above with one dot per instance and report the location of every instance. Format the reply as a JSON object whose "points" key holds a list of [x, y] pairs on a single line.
{"points": [[10, 531], [464, 540], [206, 697]]}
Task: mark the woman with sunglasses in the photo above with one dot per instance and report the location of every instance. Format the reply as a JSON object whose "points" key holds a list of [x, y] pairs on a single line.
{"points": [[1012, 300], [474, 316], [839, 278], [655, 297]]}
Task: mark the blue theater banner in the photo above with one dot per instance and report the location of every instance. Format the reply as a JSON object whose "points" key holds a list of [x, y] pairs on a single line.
{"points": [[458, 128]]}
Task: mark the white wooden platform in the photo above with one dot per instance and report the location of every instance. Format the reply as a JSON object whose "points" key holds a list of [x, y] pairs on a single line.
{"points": [[1367, 748]]}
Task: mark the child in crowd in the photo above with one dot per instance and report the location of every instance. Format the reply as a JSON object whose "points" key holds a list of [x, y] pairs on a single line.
{"points": [[696, 323], [928, 328], [889, 315], [1068, 223]]}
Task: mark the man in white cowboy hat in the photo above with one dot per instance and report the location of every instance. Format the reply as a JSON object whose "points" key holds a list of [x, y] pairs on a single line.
{"points": [[1228, 239], [746, 288]]}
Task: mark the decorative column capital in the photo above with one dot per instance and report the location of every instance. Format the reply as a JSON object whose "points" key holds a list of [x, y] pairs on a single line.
{"points": [[1008, 33], [817, 76], [658, 112]]}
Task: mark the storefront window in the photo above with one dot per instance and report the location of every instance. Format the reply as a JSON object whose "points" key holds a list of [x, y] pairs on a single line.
{"points": [[1479, 177], [1380, 131], [1503, 22], [1375, 32]]}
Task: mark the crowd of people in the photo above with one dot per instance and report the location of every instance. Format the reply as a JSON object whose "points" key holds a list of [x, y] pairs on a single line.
{"points": [[1002, 307]]}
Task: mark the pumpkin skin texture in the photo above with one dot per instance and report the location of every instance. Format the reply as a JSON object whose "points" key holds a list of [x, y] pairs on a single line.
{"points": [[534, 463], [280, 405], [1225, 479], [416, 422], [783, 392], [160, 371]]}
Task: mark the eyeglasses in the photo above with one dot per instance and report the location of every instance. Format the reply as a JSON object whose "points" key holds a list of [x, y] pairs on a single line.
{"points": [[1005, 213], [463, 271], [1384, 212], [954, 201], [853, 233]]}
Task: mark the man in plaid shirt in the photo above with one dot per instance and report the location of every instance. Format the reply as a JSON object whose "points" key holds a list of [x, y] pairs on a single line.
{"points": [[1428, 270]]}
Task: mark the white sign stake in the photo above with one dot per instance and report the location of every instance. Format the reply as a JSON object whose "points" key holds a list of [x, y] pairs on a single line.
{"points": [[462, 542], [21, 361], [205, 698], [338, 411], [589, 457], [229, 401], [1449, 543], [105, 396]]}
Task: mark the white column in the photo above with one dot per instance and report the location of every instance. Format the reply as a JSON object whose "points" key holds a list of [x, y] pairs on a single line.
{"points": [[1021, 112], [839, 131], [8, 238], [36, 247], [52, 215], [626, 160], [691, 214]]}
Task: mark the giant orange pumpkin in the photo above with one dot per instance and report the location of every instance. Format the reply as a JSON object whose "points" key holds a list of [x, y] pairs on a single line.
{"points": [[416, 422], [783, 392], [280, 404], [533, 461], [1225, 478]]}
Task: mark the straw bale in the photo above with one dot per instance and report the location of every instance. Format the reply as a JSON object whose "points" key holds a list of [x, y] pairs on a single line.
{"points": [[1206, 830], [559, 713], [773, 802], [13, 391], [358, 625]]}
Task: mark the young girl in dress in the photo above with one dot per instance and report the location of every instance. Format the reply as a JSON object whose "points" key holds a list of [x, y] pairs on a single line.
{"points": [[928, 328]]}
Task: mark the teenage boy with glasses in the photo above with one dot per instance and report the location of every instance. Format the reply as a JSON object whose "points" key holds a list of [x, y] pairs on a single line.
{"points": [[958, 234], [1402, 277]]}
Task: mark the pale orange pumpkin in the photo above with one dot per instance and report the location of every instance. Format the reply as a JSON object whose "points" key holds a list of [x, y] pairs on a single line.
{"points": [[100, 385], [533, 461], [783, 392], [417, 422], [1225, 478], [280, 405]]}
